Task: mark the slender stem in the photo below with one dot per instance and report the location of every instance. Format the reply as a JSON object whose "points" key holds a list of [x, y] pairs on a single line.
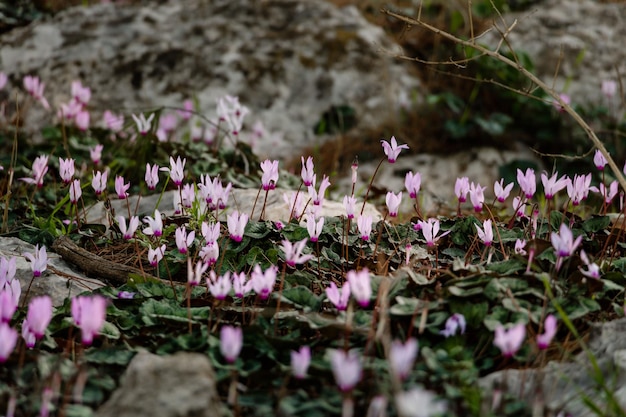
{"points": [[495, 54], [371, 182]]}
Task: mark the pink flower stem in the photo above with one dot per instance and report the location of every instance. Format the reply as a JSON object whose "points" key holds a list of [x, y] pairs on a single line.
{"points": [[280, 295], [255, 200], [369, 187], [293, 208]]}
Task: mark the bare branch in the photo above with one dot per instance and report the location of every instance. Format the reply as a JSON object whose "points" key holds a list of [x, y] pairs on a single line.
{"points": [[532, 77]]}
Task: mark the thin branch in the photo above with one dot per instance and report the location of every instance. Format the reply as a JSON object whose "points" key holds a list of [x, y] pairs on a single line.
{"points": [[532, 77]]}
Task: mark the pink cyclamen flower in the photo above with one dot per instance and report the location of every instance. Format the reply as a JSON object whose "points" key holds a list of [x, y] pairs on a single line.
{"points": [[184, 239], [113, 121], [8, 268], [318, 196], [392, 150], [209, 253], [155, 255], [121, 188], [552, 185], [80, 93], [609, 88], [143, 124], [430, 230], [349, 202], [75, 191], [155, 224], [339, 297], [69, 111], [232, 112], [549, 331], [346, 367], [565, 98], [127, 232], [236, 225], [455, 322], [29, 337], [231, 342], [364, 225], [152, 176], [241, 284], [40, 168], [194, 274], [89, 314], [578, 188], [393, 203], [211, 232], [519, 247], [38, 260], [219, 286], [270, 174], [263, 282], [314, 227], [563, 242], [293, 252], [187, 110], [39, 315], [593, 270], [8, 305], [81, 120], [3, 80], [360, 286], [95, 153], [35, 88], [599, 160], [99, 182], [609, 193], [176, 170], [502, 192], [486, 233], [477, 196], [527, 182], [413, 183], [519, 206], [66, 169], [300, 360], [402, 356], [509, 341], [307, 173], [461, 188], [8, 340]]}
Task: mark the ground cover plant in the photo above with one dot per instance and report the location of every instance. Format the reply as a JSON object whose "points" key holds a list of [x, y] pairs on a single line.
{"points": [[313, 315]]}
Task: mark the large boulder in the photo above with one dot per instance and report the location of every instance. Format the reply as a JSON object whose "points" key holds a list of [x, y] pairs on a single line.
{"points": [[182, 385], [289, 61], [583, 39], [59, 280], [561, 388]]}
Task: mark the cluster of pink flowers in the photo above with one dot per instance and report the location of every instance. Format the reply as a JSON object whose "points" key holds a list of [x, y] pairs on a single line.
{"points": [[88, 313]]}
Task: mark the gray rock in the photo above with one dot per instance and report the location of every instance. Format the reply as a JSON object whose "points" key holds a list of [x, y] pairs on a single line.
{"points": [[180, 385], [439, 173], [242, 200], [59, 281], [590, 36], [561, 387], [289, 61]]}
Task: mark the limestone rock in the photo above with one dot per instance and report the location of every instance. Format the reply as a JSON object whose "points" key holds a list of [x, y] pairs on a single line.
{"points": [[240, 199], [590, 36], [439, 173], [289, 61], [180, 385], [59, 281], [559, 387]]}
